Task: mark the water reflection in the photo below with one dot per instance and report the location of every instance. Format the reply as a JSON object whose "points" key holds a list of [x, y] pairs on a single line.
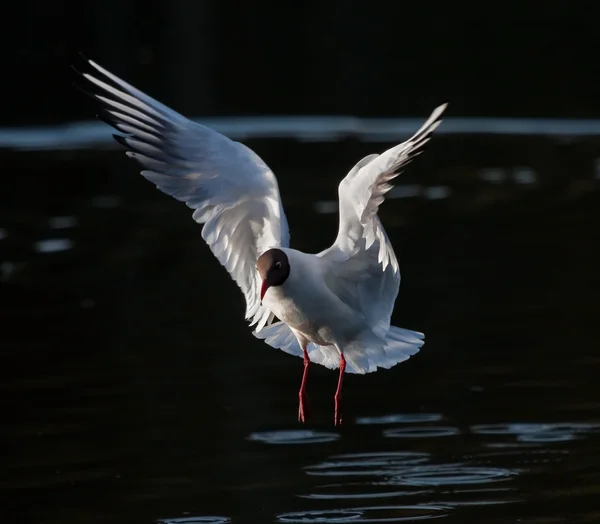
{"points": [[358, 491], [538, 432], [90, 134], [383, 476], [421, 432], [196, 520], [487, 496], [359, 464], [53, 245], [524, 457], [451, 475], [437, 192], [138, 393], [405, 191], [400, 418], [368, 514], [297, 436], [524, 175], [493, 175]]}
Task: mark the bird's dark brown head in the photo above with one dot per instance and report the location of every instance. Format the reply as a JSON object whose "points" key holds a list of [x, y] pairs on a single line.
{"points": [[274, 269]]}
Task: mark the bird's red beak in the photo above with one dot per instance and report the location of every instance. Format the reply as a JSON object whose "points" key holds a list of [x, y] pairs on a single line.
{"points": [[263, 288]]}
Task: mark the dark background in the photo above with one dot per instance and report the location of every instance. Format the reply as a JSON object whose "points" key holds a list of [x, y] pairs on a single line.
{"points": [[130, 386], [360, 58]]}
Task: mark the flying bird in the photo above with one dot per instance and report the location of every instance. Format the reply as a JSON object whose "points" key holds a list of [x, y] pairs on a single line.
{"points": [[332, 308]]}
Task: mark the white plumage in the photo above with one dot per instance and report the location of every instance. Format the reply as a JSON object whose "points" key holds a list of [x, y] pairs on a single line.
{"points": [[336, 304]]}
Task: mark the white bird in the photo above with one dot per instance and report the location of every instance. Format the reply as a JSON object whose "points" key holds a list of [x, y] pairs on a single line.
{"points": [[334, 308]]}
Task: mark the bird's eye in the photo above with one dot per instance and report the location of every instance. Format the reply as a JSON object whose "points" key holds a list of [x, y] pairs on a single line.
{"points": [[278, 265]]}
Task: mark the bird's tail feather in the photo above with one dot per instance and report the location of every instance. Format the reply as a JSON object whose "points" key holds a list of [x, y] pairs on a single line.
{"points": [[401, 344], [362, 356]]}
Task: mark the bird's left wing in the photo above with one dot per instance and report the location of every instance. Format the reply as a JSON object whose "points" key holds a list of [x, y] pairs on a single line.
{"points": [[233, 192], [363, 190], [365, 271]]}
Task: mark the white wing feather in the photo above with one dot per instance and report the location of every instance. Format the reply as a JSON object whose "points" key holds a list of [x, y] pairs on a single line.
{"points": [[366, 273], [363, 190], [234, 193]]}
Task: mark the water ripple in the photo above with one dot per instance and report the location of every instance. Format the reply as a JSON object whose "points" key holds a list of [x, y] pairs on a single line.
{"points": [[484, 502], [528, 456], [363, 464], [196, 520], [481, 496], [421, 432], [400, 418], [367, 514], [52, 245], [293, 436], [451, 474], [538, 432], [358, 491]]}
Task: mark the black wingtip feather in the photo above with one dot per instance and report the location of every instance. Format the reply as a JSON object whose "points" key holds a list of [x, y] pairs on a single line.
{"points": [[107, 119], [81, 83], [80, 64], [122, 140], [132, 148], [78, 84], [81, 70]]}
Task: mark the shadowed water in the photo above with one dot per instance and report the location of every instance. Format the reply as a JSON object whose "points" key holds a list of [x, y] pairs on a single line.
{"points": [[133, 391]]}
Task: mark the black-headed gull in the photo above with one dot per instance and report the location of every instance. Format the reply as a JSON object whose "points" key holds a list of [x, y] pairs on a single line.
{"points": [[334, 308]]}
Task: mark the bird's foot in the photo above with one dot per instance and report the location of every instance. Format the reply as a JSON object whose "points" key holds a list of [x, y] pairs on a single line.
{"points": [[302, 410], [337, 416]]}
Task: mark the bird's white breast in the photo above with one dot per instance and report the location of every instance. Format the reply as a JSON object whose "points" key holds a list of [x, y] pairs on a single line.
{"points": [[305, 303]]}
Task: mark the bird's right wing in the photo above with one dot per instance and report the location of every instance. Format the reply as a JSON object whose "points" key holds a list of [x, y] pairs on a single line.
{"points": [[233, 192]]}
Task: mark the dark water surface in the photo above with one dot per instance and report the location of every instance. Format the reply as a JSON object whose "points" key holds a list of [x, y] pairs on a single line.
{"points": [[132, 390]]}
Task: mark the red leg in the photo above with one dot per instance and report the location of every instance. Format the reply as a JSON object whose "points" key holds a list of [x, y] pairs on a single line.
{"points": [[337, 420], [302, 411]]}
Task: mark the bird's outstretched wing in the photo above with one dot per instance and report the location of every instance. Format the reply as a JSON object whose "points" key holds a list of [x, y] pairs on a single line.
{"points": [[233, 192], [366, 272]]}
